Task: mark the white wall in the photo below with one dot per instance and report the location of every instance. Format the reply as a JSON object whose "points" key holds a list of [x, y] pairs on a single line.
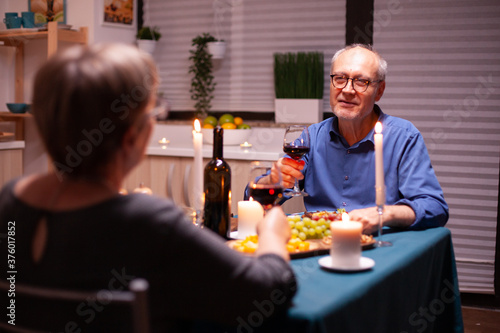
{"points": [[79, 13]]}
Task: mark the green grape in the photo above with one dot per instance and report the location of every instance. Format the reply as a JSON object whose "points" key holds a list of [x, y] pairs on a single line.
{"points": [[308, 228]]}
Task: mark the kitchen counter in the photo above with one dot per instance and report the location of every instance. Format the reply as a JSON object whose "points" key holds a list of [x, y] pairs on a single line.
{"points": [[11, 160], [18, 144], [266, 144]]}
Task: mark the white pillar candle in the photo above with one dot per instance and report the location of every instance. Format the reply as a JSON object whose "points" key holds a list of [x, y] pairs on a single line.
{"points": [[346, 243], [379, 166], [198, 166], [249, 214]]}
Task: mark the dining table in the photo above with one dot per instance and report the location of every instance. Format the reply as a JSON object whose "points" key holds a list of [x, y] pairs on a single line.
{"points": [[412, 287]]}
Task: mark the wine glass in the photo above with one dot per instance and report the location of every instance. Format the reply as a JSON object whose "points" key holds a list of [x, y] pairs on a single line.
{"points": [[295, 145], [267, 191]]}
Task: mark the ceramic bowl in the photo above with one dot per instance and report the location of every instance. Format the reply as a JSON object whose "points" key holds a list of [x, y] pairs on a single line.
{"points": [[18, 107], [232, 137]]}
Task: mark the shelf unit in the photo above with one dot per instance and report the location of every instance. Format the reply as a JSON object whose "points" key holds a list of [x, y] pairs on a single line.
{"points": [[18, 119], [17, 38]]}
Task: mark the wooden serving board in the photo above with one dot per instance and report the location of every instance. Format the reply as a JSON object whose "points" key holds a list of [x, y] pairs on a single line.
{"points": [[316, 248]]}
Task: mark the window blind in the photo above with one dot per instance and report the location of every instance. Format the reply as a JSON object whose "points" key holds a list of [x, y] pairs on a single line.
{"points": [[253, 30], [444, 76]]}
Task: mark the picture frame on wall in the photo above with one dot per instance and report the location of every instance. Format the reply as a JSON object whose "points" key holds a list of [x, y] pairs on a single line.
{"points": [[119, 13], [47, 11]]}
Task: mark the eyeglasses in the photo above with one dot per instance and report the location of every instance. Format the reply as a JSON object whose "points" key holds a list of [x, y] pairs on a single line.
{"points": [[358, 84]]}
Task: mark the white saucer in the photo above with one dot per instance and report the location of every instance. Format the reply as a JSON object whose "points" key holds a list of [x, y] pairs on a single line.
{"points": [[364, 264]]}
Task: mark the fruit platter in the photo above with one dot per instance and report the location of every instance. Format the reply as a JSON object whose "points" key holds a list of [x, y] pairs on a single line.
{"points": [[313, 225], [296, 247], [310, 236], [236, 131]]}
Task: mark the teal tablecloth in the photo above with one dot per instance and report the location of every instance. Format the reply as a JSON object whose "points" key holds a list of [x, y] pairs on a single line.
{"points": [[413, 287]]}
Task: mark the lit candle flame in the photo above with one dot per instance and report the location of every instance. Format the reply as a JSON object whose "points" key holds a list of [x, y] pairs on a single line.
{"points": [[197, 126], [163, 141], [378, 127], [345, 217]]}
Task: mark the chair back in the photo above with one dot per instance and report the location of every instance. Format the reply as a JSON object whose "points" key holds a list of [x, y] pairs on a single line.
{"points": [[35, 309]]}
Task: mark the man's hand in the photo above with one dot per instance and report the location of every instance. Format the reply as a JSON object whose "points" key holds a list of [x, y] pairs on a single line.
{"points": [[400, 216], [290, 170], [367, 216]]}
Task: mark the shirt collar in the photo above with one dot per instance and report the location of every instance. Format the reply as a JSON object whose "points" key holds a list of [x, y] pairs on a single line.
{"points": [[334, 131]]}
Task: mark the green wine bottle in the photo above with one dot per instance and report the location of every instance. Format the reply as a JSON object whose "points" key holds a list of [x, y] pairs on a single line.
{"points": [[217, 188]]}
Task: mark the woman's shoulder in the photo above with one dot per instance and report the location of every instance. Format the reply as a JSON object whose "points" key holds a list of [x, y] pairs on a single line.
{"points": [[140, 205]]}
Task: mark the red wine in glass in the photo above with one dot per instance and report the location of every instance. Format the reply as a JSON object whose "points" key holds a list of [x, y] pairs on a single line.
{"points": [[295, 152], [296, 143], [266, 195]]}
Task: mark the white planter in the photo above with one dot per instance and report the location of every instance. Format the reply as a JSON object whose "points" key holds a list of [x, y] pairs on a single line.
{"points": [[146, 45], [298, 110], [217, 49]]}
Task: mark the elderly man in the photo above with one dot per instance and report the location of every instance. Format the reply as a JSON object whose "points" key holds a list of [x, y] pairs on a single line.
{"points": [[338, 172]]}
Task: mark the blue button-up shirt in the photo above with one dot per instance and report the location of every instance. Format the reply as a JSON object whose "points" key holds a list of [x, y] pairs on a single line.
{"points": [[337, 175]]}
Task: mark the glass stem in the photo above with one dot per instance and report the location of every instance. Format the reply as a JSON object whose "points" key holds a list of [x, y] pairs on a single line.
{"points": [[380, 210], [296, 186]]}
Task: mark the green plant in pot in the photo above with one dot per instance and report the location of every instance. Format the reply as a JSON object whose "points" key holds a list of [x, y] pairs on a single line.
{"points": [[147, 37], [202, 84], [298, 85], [148, 33]]}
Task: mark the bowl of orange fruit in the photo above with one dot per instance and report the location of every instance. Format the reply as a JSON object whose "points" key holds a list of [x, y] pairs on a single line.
{"points": [[236, 131]]}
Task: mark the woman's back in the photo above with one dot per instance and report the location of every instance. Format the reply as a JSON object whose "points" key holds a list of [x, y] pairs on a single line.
{"points": [[192, 274]]}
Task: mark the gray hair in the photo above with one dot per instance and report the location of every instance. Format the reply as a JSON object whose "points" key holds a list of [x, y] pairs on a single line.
{"points": [[382, 64], [86, 98]]}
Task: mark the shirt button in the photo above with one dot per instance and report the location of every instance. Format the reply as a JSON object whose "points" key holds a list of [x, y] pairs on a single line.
{"points": [[348, 151], [346, 177], [344, 203]]}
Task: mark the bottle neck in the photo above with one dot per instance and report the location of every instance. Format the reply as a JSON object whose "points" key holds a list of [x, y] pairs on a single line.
{"points": [[218, 142]]}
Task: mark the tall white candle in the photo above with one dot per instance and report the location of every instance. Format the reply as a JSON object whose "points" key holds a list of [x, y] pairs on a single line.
{"points": [[198, 166], [346, 243], [379, 166], [249, 214]]}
